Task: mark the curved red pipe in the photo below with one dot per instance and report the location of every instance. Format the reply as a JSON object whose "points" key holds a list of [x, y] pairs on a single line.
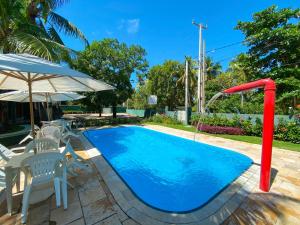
{"points": [[268, 125]]}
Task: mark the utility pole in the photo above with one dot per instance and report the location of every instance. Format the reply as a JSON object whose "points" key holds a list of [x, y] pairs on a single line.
{"points": [[203, 78], [199, 97], [186, 106]]}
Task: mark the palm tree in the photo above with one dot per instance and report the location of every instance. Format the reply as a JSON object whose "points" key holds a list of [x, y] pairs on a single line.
{"points": [[212, 69], [32, 26], [192, 80]]}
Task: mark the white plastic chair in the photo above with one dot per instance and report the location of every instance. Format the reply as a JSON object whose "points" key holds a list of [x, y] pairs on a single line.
{"points": [[41, 145], [5, 156], [5, 153], [30, 135], [2, 179], [45, 168], [51, 132], [65, 129], [75, 162]]}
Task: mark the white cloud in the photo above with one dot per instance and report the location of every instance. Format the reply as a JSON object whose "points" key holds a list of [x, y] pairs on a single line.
{"points": [[131, 26], [121, 25], [108, 32]]}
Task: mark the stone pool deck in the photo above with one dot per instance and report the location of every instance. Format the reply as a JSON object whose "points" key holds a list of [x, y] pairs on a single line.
{"points": [[99, 197]]}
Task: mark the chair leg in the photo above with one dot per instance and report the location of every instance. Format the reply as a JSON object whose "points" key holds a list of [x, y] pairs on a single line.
{"points": [[57, 191], [18, 181], [65, 193], [26, 138], [25, 203], [25, 179]]}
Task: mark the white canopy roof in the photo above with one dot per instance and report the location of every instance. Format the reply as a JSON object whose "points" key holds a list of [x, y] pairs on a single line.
{"points": [[23, 96], [17, 69]]}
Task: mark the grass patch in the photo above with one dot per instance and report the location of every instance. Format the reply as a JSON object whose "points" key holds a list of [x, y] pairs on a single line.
{"points": [[248, 139]]}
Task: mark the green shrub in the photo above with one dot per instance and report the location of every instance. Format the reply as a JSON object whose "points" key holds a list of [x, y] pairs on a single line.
{"points": [[256, 128], [216, 120], [288, 131], [111, 121], [285, 131], [162, 119]]}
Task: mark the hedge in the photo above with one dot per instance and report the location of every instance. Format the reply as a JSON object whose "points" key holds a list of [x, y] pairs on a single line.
{"points": [[220, 130], [284, 131], [111, 121]]}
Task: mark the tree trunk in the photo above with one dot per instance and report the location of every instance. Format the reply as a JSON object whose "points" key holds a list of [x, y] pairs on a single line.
{"points": [[100, 110], [114, 109]]}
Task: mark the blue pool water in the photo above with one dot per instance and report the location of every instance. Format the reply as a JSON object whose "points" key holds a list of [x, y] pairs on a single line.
{"points": [[168, 172]]}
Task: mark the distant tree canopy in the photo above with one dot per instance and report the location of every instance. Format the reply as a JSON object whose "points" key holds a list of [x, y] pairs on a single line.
{"points": [[113, 62], [273, 38], [163, 79]]}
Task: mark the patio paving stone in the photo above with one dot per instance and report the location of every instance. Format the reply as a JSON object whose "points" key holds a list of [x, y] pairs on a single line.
{"points": [[39, 214], [121, 215], [112, 220], [130, 222], [91, 193], [97, 211], [63, 217], [78, 222], [142, 218]]}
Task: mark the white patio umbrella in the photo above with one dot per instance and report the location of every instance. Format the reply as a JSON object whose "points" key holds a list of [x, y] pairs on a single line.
{"points": [[23, 96], [31, 73]]}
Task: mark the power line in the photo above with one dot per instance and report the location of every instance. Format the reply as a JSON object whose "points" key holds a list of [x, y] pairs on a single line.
{"points": [[240, 42], [256, 54], [225, 46]]}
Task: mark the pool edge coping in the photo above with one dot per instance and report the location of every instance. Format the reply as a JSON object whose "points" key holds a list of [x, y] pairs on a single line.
{"points": [[215, 211]]}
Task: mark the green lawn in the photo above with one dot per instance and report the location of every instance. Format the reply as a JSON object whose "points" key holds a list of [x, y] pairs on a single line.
{"points": [[249, 139]]}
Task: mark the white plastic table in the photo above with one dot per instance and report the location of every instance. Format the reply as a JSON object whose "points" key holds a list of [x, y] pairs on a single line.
{"points": [[13, 165]]}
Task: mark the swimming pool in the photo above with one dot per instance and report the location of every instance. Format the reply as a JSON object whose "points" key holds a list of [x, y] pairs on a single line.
{"points": [[168, 172]]}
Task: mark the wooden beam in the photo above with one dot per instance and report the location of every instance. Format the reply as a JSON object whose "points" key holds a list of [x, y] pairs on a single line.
{"points": [[46, 77], [52, 85], [13, 75], [5, 78], [82, 83]]}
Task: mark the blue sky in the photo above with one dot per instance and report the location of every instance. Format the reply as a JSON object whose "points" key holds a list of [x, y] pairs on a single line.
{"points": [[163, 27]]}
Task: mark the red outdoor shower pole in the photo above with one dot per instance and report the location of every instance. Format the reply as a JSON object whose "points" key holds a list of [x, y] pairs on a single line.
{"points": [[268, 125]]}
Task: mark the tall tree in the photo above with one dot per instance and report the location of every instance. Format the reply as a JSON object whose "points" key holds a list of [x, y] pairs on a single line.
{"points": [[115, 63], [33, 26], [273, 38], [164, 80], [212, 68], [192, 79], [139, 99]]}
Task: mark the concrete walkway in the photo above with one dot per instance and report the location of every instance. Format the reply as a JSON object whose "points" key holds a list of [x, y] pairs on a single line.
{"points": [[92, 202]]}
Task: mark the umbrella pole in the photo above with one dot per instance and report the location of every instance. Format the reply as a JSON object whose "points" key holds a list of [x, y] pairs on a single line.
{"points": [[47, 103], [31, 106]]}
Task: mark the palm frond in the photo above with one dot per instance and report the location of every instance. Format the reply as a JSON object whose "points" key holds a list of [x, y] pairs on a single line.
{"points": [[59, 47], [53, 4], [54, 35], [27, 43], [63, 25], [63, 53], [36, 30]]}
